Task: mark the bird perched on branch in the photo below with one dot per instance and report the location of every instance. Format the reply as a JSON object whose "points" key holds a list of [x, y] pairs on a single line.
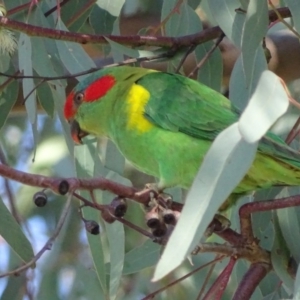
{"points": [[165, 123]]}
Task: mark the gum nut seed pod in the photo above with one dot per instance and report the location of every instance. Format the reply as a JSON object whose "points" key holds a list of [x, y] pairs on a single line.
{"points": [[160, 231], [152, 219], [40, 199], [169, 217], [63, 187], [92, 227], [119, 207]]}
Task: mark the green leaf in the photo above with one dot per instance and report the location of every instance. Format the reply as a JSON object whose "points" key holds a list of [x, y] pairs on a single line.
{"points": [[268, 102], [116, 238], [43, 92], [183, 21], [294, 7], [14, 288], [114, 160], [194, 3], [211, 73], [4, 62], [101, 21], [39, 54], [289, 225], [230, 21], [257, 21], [84, 156], [8, 99], [280, 257], [141, 257], [59, 97], [74, 58], [40, 49], [225, 164], [297, 285], [113, 7], [25, 66], [239, 90], [11, 231]]}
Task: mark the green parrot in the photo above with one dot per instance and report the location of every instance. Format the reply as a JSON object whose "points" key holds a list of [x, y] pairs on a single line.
{"points": [[164, 124]]}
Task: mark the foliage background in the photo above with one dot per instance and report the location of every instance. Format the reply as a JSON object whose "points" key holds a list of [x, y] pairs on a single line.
{"points": [[120, 262]]}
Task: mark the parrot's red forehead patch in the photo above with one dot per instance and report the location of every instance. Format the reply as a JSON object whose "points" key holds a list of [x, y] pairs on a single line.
{"points": [[69, 109], [99, 88], [93, 92]]}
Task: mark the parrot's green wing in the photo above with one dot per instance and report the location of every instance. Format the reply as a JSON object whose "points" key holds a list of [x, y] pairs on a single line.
{"points": [[274, 146], [196, 110], [180, 104]]}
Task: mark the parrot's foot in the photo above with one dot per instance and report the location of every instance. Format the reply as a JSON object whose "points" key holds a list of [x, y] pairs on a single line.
{"points": [[157, 196], [218, 224]]}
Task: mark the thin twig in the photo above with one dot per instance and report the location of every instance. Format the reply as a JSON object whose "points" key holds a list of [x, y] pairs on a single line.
{"points": [[186, 54], [294, 132], [207, 55], [167, 54], [208, 276], [54, 8], [152, 295], [33, 90], [280, 19], [48, 244]]}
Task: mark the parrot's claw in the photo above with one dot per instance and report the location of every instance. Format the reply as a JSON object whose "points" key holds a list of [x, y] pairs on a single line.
{"points": [[157, 196], [222, 224]]}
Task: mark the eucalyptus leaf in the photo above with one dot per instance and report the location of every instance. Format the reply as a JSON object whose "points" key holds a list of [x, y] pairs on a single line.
{"points": [[257, 21], [8, 99], [74, 58], [101, 21], [14, 287], [25, 66], [211, 73], [230, 21], [240, 91], [290, 227], [11, 231], [84, 156], [141, 257], [43, 93], [297, 285], [268, 102], [116, 239], [294, 7], [223, 167], [181, 20], [280, 257], [113, 7], [58, 93]]}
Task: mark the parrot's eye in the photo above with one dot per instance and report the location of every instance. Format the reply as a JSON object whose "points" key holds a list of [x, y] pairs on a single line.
{"points": [[78, 98]]}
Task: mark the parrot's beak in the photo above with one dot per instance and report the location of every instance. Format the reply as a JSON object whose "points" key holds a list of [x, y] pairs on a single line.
{"points": [[77, 133]]}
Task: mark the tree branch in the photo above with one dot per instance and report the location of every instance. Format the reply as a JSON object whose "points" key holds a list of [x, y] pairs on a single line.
{"points": [[251, 280], [134, 40]]}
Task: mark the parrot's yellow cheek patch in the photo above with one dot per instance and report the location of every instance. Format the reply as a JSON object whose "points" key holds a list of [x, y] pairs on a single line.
{"points": [[137, 98]]}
